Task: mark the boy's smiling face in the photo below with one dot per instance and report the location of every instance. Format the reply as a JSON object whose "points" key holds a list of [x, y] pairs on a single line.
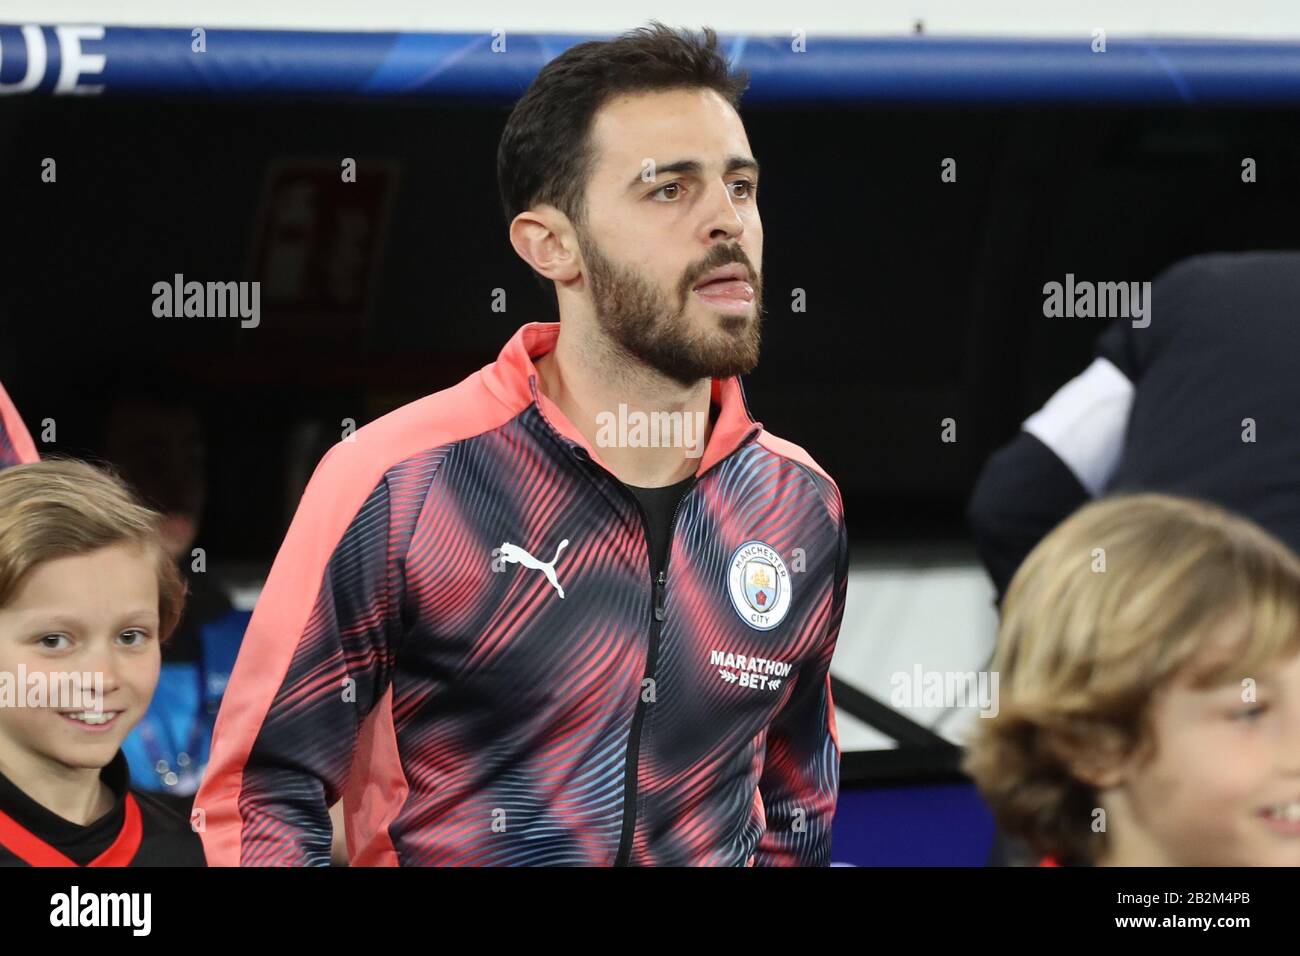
{"points": [[93, 613], [1222, 787]]}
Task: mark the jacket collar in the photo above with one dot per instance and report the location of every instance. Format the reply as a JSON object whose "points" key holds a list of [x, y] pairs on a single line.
{"points": [[513, 379]]}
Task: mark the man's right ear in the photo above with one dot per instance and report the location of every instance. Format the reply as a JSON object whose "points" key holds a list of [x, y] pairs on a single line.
{"points": [[544, 238]]}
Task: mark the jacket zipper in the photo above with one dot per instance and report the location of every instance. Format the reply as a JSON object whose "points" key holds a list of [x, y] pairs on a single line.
{"points": [[657, 586]]}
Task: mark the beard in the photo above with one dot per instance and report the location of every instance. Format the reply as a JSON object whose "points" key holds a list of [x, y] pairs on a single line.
{"points": [[657, 330]]}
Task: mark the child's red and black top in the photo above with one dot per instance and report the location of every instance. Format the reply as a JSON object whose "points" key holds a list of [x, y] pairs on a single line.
{"points": [[137, 831]]}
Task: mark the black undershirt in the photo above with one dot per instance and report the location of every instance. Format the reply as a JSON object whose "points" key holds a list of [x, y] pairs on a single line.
{"points": [[167, 840], [659, 505]]}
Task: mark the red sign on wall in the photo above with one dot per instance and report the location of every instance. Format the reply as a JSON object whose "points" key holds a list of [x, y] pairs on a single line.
{"points": [[317, 247]]}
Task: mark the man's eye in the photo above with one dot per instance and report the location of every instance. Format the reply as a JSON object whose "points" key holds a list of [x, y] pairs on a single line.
{"points": [[1251, 714], [54, 642], [751, 187]]}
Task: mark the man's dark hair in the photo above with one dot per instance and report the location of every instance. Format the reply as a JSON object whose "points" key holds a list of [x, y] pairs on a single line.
{"points": [[545, 154]]}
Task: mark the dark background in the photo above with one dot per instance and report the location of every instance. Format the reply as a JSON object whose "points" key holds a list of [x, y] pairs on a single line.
{"points": [[924, 298]]}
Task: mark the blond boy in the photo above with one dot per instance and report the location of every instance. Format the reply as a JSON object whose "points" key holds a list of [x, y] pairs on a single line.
{"points": [[1149, 660], [87, 595]]}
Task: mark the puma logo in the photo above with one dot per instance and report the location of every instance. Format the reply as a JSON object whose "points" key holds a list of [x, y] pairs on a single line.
{"points": [[517, 555]]}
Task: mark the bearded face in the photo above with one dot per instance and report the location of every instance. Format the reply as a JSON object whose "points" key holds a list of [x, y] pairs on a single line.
{"points": [[677, 331]]}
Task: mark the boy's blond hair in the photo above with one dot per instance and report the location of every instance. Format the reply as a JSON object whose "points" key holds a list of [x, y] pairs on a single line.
{"points": [[1122, 596], [62, 508]]}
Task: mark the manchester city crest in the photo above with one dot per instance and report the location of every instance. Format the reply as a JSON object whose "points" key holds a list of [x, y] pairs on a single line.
{"points": [[759, 584]]}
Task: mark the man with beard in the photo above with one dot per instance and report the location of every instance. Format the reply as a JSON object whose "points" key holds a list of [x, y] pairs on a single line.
{"points": [[527, 620]]}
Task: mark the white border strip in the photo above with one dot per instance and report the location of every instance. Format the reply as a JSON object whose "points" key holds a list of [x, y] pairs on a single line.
{"points": [[1241, 19]]}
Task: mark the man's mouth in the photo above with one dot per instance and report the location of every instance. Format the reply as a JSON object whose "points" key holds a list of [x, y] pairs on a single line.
{"points": [[736, 288], [727, 288], [733, 271]]}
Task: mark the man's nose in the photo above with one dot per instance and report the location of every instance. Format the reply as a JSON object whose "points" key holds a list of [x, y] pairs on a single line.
{"points": [[722, 214]]}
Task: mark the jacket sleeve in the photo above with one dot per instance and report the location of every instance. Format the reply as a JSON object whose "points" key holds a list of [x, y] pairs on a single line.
{"points": [[800, 781], [1071, 449], [316, 660], [1024, 492], [16, 446], [1065, 454]]}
